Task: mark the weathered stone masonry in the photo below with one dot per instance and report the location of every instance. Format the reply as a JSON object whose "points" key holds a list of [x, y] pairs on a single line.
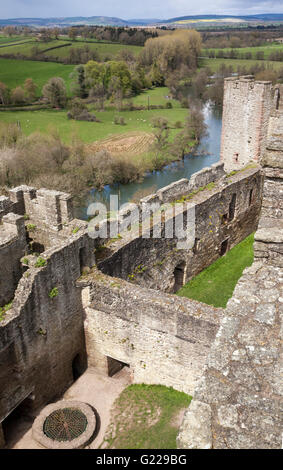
{"points": [[238, 401], [246, 110], [226, 212]]}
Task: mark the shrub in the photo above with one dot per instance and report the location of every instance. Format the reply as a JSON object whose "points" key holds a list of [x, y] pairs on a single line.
{"points": [[18, 95], [178, 125], [31, 227], [40, 262]]}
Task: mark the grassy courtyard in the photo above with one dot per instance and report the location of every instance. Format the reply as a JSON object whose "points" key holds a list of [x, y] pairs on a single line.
{"points": [[146, 417], [215, 284]]}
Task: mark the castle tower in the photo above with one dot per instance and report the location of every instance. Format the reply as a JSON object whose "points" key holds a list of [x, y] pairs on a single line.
{"points": [[246, 109]]}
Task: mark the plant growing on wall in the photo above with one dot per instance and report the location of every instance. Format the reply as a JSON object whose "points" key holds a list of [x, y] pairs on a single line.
{"points": [[53, 293], [40, 262]]}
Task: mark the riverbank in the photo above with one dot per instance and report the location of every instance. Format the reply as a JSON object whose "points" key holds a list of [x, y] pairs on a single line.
{"points": [[204, 155]]}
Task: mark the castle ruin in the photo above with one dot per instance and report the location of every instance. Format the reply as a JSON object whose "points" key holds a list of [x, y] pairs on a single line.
{"points": [[81, 302]]}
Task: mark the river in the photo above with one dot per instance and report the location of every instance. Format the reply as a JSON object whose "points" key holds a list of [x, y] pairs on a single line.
{"points": [[207, 152]]}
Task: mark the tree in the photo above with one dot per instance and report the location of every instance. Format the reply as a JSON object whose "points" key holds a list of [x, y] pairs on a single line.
{"points": [[195, 125], [156, 77], [79, 82], [30, 89], [4, 93], [72, 33], [114, 75], [18, 95], [172, 50], [182, 144], [161, 134], [10, 30], [55, 92], [99, 95]]}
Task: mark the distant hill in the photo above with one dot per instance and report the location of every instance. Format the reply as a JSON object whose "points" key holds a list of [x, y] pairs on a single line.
{"points": [[113, 21], [277, 17], [65, 21]]}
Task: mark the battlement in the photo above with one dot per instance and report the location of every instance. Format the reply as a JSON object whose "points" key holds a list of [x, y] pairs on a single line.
{"points": [[49, 209]]}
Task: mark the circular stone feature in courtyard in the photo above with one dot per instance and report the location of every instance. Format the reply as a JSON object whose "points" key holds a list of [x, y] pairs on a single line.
{"points": [[65, 425]]}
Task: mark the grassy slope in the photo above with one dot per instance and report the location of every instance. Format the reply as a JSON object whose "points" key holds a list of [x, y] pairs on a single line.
{"points": [[215, 284], [143, 417], [32, 121], [14, 72]]}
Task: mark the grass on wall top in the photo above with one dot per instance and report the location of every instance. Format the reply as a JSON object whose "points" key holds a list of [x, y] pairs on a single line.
{"points": [[215, 284]]}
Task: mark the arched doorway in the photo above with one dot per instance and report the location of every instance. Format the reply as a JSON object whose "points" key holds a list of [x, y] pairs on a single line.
{"points": [[179, 274]]}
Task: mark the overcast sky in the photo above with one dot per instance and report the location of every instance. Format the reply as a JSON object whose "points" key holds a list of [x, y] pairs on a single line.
{"points": [[127, 9]]}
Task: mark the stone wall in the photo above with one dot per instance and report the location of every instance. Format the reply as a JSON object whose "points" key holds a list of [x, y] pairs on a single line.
{"points": [[12, 247], [152, 261], [48, 209], [175, 190], [238, 400], [42, 333], [246, 109], [164, 339]]}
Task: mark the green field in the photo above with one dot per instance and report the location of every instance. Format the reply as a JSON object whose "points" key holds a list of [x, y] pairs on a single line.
{"points": [[146, 417], [32, 121], [157, 96], [267, 50], [214, 64], [108, 50], [42, 121], [14, 72], [105, 50], [215, 284], [10, 40]]}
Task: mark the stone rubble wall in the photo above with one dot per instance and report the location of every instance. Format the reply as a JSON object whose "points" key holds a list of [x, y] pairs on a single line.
{"points": [[41, 334], [238, 401], [164, 339], [12, 247], [48, 209], [269, 236]]}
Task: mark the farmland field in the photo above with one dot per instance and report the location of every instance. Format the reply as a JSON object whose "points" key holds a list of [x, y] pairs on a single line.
{"points": [[9, 40], [43, 120], [109, 50], [267, 50], [14, 72], [214, 64]]}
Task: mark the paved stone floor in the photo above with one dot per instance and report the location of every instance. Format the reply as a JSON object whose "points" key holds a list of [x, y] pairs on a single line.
{"points": [[93, 388]]}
